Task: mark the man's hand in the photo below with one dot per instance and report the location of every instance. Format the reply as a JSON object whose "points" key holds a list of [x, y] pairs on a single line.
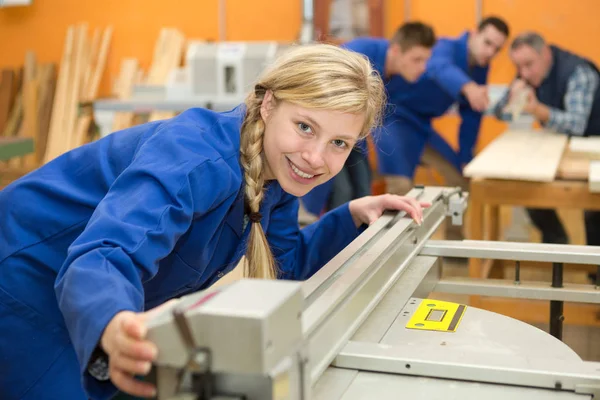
{"points": [[515, 89], [477, 95], [532, 103]]}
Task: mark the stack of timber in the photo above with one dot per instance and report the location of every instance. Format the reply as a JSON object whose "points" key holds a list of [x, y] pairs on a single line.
{"points": [[167, 56], [81, 69], [25, 106]]}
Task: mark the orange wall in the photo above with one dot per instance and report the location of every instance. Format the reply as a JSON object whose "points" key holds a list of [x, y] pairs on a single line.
{"points": [[41, 27]]}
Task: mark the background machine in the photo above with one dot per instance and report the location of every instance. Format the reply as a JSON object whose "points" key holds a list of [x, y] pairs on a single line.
{"points": [[363, 327]]}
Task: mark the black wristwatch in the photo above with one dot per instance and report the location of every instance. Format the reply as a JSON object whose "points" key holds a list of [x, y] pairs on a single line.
{"points": [[98, 365]]}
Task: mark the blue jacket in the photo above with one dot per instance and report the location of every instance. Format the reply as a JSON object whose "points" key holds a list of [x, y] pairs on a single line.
{"points": [[440, 87], [141, 216]]}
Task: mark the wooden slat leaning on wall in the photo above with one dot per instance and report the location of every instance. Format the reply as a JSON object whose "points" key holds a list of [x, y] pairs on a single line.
{"points": [[168, 53], [81, 68], [7, 81], [128, 76]]}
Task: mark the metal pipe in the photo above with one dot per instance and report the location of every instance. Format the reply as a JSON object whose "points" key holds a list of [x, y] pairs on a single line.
{"points": [[573, 293], [496, 250]]}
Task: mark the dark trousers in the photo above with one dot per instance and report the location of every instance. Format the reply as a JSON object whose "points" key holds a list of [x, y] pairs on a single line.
{"points": [[552, 230], [353, 181]]}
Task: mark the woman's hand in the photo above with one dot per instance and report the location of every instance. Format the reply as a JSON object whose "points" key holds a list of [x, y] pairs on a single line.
{"points": [[124, 341], [367, 210]]}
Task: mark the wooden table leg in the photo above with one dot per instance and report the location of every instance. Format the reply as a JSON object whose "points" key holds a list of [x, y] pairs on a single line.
{"points": [[492, 268], [476, 217]]}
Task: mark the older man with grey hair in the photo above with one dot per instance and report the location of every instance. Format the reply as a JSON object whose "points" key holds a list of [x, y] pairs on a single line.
{"points": [[561, 90]]}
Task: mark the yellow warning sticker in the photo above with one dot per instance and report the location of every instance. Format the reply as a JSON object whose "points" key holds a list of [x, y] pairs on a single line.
{"points": [[435, 315]]}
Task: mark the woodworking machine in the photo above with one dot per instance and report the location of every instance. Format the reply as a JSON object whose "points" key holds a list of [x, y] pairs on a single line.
{"points": [[367, 326]]}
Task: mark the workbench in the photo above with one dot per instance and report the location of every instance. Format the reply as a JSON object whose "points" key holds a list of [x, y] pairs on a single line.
{"points": [[15, 147], [11, 148], [569, 190], [364, 326]]}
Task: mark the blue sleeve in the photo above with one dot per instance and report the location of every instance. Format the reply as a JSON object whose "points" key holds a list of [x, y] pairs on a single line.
{"points": [[369, 48], [302, 252], [357, 45], [148, 207], [443, 70], [468, 133]]}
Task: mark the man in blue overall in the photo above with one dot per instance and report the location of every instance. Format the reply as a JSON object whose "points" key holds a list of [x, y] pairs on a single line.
{"points": [[563, 95], [456, 73], [400, 61]]}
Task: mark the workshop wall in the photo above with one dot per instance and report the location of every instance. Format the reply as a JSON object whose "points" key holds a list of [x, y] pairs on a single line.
{"points": [[42, 26]]}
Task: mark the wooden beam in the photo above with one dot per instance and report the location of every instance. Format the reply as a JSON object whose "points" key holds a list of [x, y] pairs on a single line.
{"points": [[557, 194], [7, 81], [520, 155]]}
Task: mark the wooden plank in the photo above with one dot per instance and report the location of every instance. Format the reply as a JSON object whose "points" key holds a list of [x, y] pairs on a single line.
{"points": [[155, 73], [15, 117], [557, 194], [89, 91], [99, 65], [585, 147], [74, 90], [573, 167], [29, 126], [520, 155], [57, 126], [594, 177], [128, 76], [168, 57], [47, 78], [6, 95], [93, 52]]}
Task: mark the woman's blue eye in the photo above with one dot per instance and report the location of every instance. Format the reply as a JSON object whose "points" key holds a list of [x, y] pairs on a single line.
{"points": [[304, 127]]}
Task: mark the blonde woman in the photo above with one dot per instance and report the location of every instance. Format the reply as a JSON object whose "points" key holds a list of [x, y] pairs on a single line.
{"points": [[92, 239]]}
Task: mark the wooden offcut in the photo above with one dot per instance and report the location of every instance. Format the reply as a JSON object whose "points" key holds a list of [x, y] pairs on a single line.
{"points": [[585, 147], [167, 56], [7, 81], [82, 66], [29, 125], [47, 80], [129, 75], [520, 155]]}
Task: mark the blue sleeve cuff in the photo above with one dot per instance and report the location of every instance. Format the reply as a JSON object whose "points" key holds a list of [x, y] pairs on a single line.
{"points": [[455, 83], [348, 227]]}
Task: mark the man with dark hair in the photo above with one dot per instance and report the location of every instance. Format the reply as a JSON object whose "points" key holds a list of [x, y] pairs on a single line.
{"points": [[456, 73], [561, 90], [400, 61]]}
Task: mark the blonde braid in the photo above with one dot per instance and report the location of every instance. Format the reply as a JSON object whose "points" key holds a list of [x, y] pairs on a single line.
{"points": [[259, 258], [316, 77]]}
